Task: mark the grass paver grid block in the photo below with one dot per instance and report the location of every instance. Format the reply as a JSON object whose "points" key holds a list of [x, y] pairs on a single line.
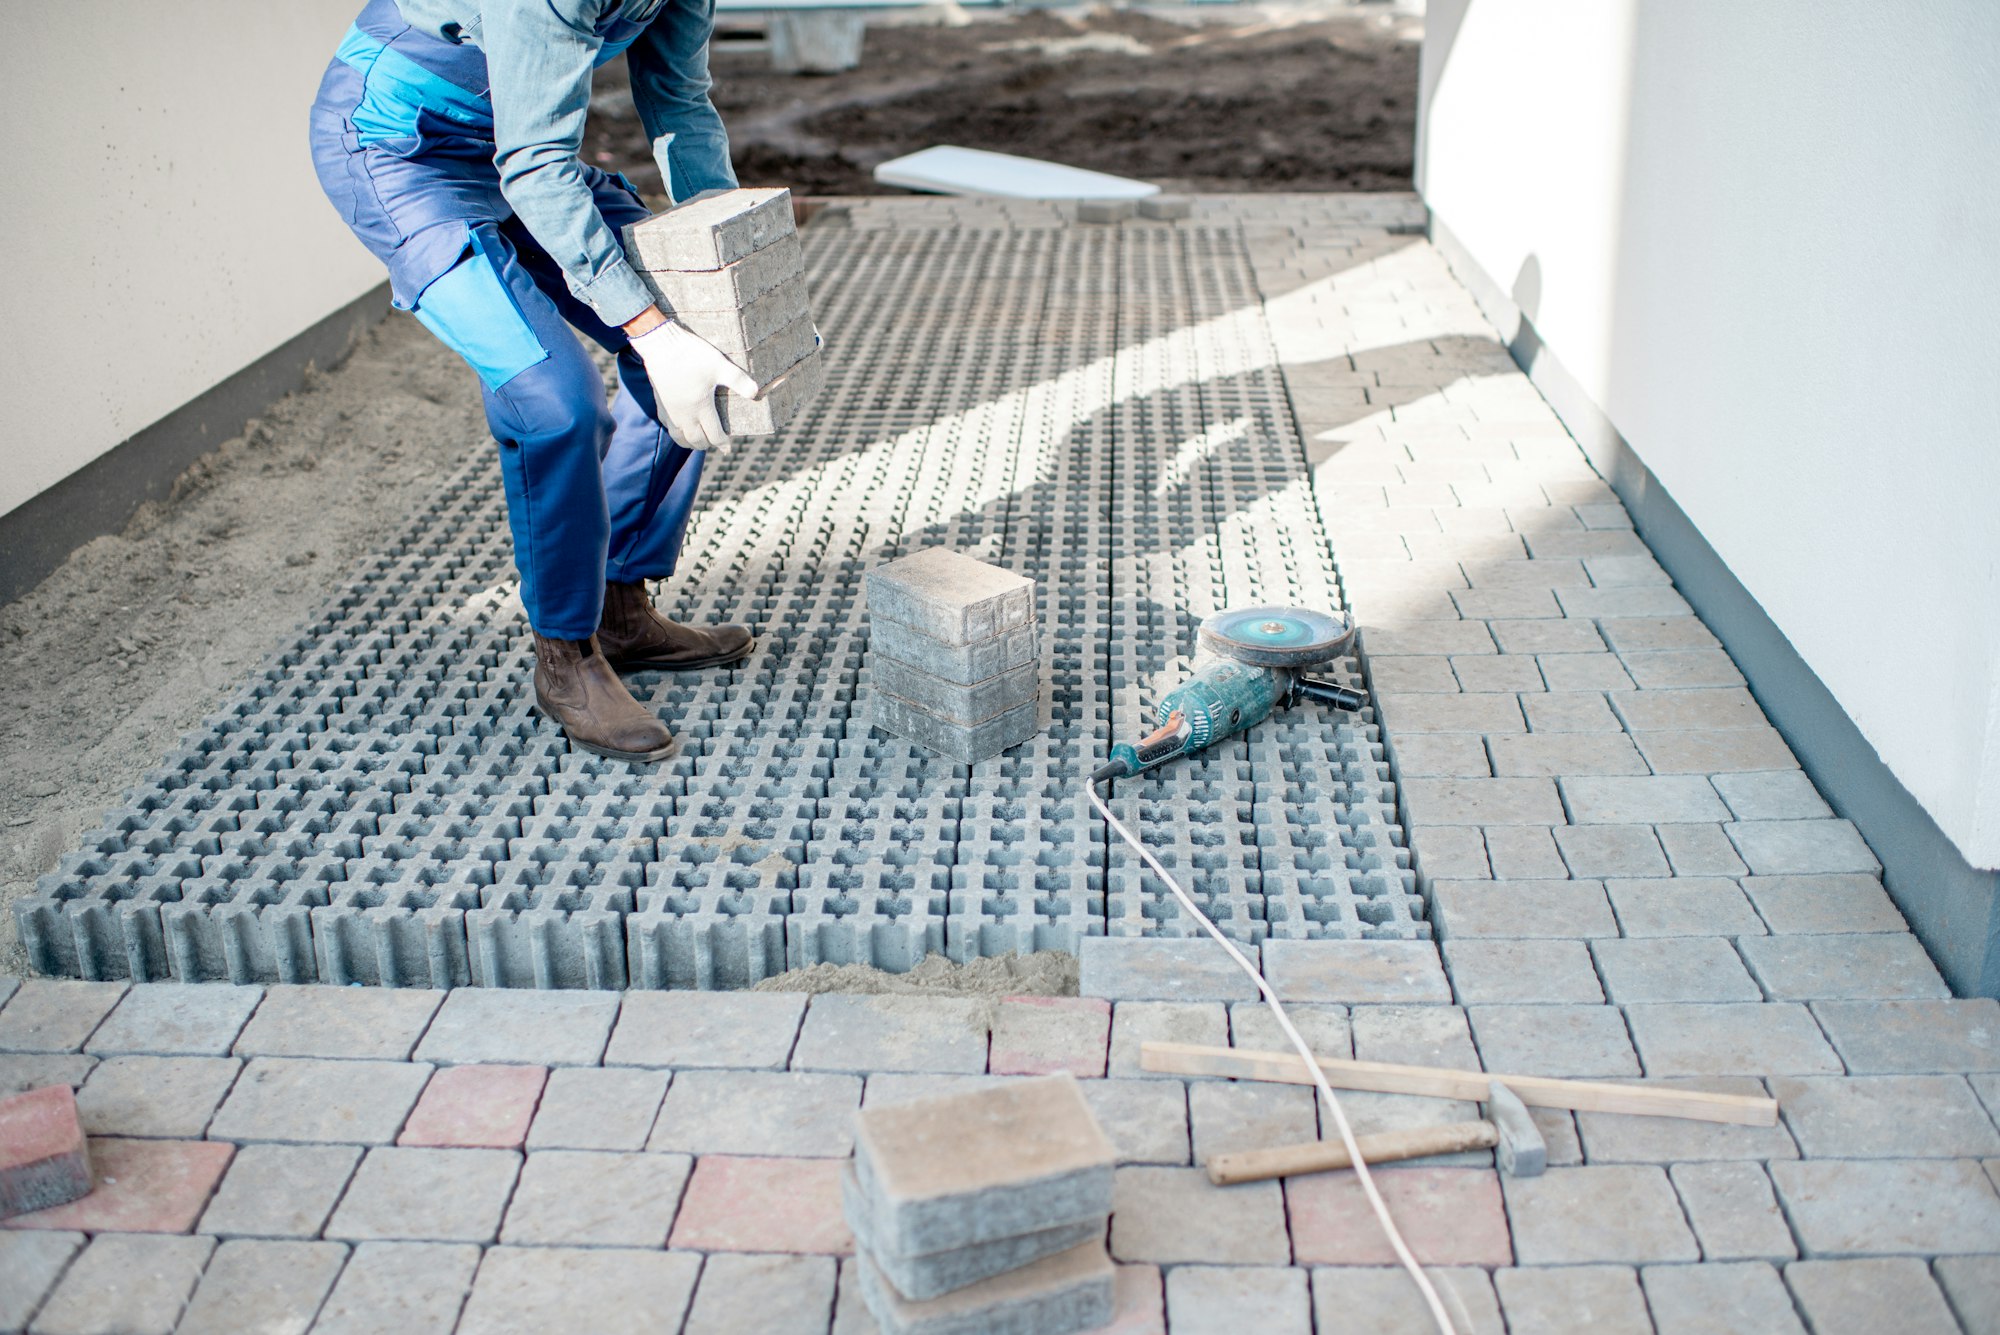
{"points": [[428, 865]]}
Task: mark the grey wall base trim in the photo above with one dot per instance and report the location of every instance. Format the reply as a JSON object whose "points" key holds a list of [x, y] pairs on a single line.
{"points": [[1953, 907], [98, 498]]}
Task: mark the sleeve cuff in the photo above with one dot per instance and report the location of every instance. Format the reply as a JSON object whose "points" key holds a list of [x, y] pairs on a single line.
{"points": [[617, 295]]}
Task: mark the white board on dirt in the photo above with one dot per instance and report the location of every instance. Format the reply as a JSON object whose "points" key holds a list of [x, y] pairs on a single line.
{"points": [[946, 170]]}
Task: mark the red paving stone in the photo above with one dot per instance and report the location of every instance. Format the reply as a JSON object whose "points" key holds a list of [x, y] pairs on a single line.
{"points": [[476, 1107], [143, 1186], [1449, 1216], [43, 1159], [1050, 1035], [763, 1205]]}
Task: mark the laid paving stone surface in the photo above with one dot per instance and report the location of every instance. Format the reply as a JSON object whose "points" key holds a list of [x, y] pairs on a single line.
{"points": [[300, 1100], [29, 1266], [476, 1107], [532, 1290], [399, 1288], [1324, 1028], [1222, 1300], [1226, 1116], [1382, 1299], [426, 1195], [143, 1186], [759, 1113], [315, 1021], [575, 1198], [263, 1286], [1142, 969], [280, 1191], [1632, 805], [198, 1020], [169, 1097], [1448, 1216], [588, 1108]]}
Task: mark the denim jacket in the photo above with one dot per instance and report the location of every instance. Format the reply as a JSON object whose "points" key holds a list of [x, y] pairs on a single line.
{"points": [[539, 58]]}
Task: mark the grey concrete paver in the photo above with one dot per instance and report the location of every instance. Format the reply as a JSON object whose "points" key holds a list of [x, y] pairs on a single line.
{"points": [[1226, 1116], [1570, 711], [1607, 851], [1134, 1023], [23, 1071], [425, 1195], [1587, 1042], [30, 1262], [879, 1091], [1351, 972], [1914, 1037], [1130, 968], [1715, 751], [1223, 1300], [55, 1015], [280, 1191], [491, 1024], [400, 1288], [1146, 1120], [1573, 1300], [1868, 1296], [754, 1030], [1521, 970], [173, 1097], [1824, 904], [1699, 850], [1802, 847], [1674, 968], [1599, 1214], [1524, 853], [328, 1102], [271, 1288], [591, 1108], [1324, 1028], [1617, 1138], [1888, 1207], [581, 1198], [1383, 1301], [125, 1284], [318, 1021], [893, 1033], [1785, 794], [774, 1295], [1522, 908], [1843, 968], [1972, 1285], [1683, 908], [1414, 1035], [534, 1290], [1655, 800], [1172, 1215], [1734, 1211], [759, 1112], [174, 1020], [1886, 1117], [1699, 709], [1501, 801], [1744, 1038], [1718, 1299]]}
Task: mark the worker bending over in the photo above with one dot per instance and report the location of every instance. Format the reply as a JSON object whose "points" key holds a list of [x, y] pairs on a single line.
{"points": [[447, 133]]}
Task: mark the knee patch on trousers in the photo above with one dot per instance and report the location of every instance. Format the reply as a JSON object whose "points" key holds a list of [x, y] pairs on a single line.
{"points": [[470, 309]]}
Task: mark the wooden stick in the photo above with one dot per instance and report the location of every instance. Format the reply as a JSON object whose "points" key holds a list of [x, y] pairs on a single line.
{"points": [[1319, 1156], [1446, 1083]]}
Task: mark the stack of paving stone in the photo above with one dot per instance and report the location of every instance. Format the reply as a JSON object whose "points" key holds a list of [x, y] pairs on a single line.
{"points": [[727, 265], [952, 654], [983, 1212]]}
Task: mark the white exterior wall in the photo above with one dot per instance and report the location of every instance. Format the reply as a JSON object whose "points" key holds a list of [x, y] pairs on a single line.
{"points": [[1765, 239], [161, 221]]}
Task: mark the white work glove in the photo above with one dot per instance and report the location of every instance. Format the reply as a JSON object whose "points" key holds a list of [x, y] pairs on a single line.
{"points": [[686, 372]]}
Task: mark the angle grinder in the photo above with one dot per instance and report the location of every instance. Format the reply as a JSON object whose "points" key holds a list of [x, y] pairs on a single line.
{"points": [[1258, 660]]}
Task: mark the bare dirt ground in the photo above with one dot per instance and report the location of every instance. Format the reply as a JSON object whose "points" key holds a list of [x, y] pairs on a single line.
{"points": [[141, 633], [1215, 98]]}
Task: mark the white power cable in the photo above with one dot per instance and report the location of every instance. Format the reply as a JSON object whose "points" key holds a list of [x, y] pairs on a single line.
{"points": [[1367, 1180]]}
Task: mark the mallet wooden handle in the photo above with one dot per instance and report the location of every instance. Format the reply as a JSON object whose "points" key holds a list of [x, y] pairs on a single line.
{"points": [[1319, 1156]]}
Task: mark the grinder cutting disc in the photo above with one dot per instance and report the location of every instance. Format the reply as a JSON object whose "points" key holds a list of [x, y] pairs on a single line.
{"points": [[1276, 636]]}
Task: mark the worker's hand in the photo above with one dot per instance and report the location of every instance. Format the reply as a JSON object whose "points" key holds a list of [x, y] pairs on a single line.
{"points": [[686, 372]]}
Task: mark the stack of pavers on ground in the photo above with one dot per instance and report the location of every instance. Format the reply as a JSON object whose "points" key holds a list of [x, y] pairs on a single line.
{"points": [[727, 265], [953, 658], [983, 1212]]}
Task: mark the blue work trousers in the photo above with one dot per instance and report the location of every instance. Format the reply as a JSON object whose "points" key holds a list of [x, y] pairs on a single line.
{"points": [[594, 493]]}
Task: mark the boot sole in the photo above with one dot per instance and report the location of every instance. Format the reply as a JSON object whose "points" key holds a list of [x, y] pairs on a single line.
{"points": [[657, 665], [610, 753]]}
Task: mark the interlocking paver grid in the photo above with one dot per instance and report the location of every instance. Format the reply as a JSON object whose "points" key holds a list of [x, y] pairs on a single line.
{"points": [[1468, 531]]}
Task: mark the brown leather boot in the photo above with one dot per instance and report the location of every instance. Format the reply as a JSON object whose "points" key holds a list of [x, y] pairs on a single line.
{"points": [[575, 686], [634, 635]]}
